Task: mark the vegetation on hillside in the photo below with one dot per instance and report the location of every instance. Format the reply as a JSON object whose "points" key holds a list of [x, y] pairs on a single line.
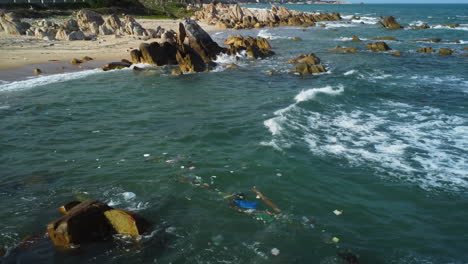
{"points": [[142, 8]]}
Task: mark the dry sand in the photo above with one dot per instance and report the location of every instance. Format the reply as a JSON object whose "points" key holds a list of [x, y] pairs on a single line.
{"points": [[19, 55]]}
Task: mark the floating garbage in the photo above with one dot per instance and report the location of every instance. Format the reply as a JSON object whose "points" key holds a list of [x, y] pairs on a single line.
{"points": [[275, 251], [335, 240], [246, 204], [279, 174], [146, 155], [128, 195], [337, 212]]}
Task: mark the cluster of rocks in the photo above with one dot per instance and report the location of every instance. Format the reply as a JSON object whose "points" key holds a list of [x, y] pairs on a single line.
{"points": [[236, 17], [307, 64], [193, 50], [87, 25], [442, 51], [254, 47]]}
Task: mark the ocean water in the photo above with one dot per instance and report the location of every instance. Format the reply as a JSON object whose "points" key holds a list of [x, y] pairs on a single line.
{"points": [[383, 139]]}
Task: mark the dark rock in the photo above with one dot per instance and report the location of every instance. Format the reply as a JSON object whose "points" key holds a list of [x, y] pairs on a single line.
{"points": [[355, 39], [176, 71], [126, 61], [68, 206], [395, 53], [136, 56], [37, 71], [296, 38], [86, 58], [423, 26], [451, 25], [75, 61]]}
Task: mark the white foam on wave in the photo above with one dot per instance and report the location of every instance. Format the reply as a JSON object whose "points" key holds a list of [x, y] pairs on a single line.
{"points": [[422, 145], [366, 20], [265, 33], [334, 24], [350, 72], [461, 27], [274, 124], [417, 23], [45, 80], [224, 59]]}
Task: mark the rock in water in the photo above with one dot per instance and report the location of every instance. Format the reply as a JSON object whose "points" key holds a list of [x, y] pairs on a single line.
{"points": [[445, 52], [390, 23], [385, 38], [396, 53], [345, 49], [255, 47], [201, 42], [190, 61], [85, 222], [75, 61], [378, 46], [355, 39], [425, 50], [37, 71], [118, 65], [307, 64]]}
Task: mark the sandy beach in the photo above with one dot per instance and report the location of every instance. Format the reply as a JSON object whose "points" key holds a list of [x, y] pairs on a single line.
{"points": [[21, 54]]}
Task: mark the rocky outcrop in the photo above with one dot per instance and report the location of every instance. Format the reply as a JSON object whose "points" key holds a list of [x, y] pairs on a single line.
{"points": [[199, 40], [396, 53], [425, 50], [12, 25], [88, 20], [345, 49], [307, 64], [254, 47], [378, 46], [390, 23], [236, 17], [93, 221], [445, 52]]}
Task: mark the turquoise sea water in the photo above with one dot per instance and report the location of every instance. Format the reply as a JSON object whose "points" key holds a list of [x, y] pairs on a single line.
{"points": [[382, 138]]}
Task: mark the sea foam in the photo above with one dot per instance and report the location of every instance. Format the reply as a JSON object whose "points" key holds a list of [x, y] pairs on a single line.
{"points": [[45, 80]]}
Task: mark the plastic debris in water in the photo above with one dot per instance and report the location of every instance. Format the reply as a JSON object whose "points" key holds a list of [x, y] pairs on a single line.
{"points": [[146, 155], [279, 174], [275, 251], [337, 212], [128, 195], [182, 167], [192, 168], [246, 204], [335, 240]]}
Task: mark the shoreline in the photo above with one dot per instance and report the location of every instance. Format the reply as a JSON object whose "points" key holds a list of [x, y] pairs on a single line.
{"points": [[22, 54]]}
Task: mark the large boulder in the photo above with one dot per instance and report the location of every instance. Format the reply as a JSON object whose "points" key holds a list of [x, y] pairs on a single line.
{"points": [[86, 18], [378, 46], [118, 65], [113, 22], [390, 23], [92, 221], [156, 54], [71, 25], [76, 35], [306, 58], [201, 41]]}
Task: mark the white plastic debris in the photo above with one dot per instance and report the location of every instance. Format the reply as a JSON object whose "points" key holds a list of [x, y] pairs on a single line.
{"points": [[279, 174], [275, 251], [146, 155], [338, 212], [182, 167], [192, 168], [128, 195], [258, 197]]}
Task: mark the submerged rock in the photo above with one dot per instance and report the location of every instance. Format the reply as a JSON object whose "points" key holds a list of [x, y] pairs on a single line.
{"points": [[345, 49], [296, 38], [378, 46], [355, 39], [396, 53], [390, 23], [385, 38], [423, 26]]}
